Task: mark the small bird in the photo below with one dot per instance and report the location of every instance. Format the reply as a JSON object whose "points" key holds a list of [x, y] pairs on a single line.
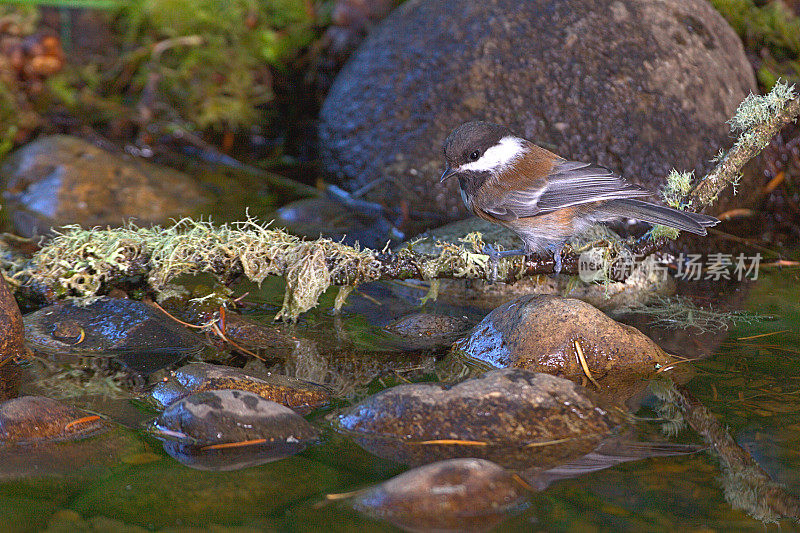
{"points": [[544, 198]]}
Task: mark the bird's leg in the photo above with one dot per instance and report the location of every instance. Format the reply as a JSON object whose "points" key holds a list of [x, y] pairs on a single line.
{"points": [[495, 255], [557, 257]]}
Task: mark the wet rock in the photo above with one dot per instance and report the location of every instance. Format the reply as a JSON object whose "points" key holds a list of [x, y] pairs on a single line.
{"points": [[36, 418], [428, 330], [10, 378], [141, 338], [540, 333], [60, 180], [513, 417], [452, 495], [12, 336], [225, 459], [212, 418], [637, 86], [299, 395]]}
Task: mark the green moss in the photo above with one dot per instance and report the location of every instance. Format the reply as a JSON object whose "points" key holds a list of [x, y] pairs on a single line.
{"points": [[85, 262], [757, 109], [771, 29], [677, 188], [663, 232], [210, 67], [213, 66]]}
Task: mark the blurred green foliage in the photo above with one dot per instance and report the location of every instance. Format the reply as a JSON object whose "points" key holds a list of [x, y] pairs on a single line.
{"points": [[15, 112], [770, 30], [219, 79], [203, 65]]}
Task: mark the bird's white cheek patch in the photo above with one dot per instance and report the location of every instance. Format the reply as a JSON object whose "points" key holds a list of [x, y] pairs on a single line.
{"points": [[498, 156]]}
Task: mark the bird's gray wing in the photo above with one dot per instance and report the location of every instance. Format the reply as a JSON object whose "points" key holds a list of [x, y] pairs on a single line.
{"points": [[569, 183]]}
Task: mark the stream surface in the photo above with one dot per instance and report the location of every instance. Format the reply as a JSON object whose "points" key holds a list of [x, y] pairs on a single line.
{"points": [[125, 478]]}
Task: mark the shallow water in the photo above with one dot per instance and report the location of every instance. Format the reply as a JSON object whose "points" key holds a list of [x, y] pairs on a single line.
{"points": [[750, 384]]}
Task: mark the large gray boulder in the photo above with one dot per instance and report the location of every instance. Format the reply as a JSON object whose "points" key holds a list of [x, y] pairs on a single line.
{"points": [[639, 86]]}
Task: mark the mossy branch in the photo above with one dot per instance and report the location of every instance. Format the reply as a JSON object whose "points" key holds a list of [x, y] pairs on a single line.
{"points": [[759, 118], [86, 263]]}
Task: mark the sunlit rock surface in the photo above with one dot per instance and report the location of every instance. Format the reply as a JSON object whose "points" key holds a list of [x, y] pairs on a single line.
{"points": [[557, 336], [60, 180]]}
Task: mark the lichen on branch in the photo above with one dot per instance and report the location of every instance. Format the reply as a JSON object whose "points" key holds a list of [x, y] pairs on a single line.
{"points": [[759, 118]]}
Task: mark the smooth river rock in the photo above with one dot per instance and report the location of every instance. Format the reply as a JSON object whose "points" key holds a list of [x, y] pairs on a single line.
{"points": [[58, 180], [514, 417], [540, 333]]}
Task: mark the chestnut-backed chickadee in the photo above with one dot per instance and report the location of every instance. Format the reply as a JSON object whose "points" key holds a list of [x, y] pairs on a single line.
{"points": [[542, 197]]}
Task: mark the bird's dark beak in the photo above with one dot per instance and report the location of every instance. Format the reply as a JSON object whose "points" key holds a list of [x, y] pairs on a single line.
{"points": [[447, 173]]}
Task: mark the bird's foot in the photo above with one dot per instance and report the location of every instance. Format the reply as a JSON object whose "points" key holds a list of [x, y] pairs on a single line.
{"points": [[494, 257], [557, 257]]}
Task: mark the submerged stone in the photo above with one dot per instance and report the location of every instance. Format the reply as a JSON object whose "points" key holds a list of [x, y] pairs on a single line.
{"points": [[452, 495], [336, 220], [541, 333], [428, 330], [513, 417], [137, 335], [69, 461], [30, 419], [218, 417], [300, 395]]}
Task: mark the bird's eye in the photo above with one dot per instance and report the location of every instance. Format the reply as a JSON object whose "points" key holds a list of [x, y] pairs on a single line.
{"points": [[474, 155]]}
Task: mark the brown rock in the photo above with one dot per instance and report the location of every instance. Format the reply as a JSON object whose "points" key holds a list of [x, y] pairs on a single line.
{"points": [[12, 338], [427, 330], [234, 416], [540, 333], [36, 418], [60, 180], [634, 85], [452, 495], [297, 394], [513, 417]]}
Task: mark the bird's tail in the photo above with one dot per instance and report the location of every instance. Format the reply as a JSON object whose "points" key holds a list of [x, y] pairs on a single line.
{"points": [[658, 214]]}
